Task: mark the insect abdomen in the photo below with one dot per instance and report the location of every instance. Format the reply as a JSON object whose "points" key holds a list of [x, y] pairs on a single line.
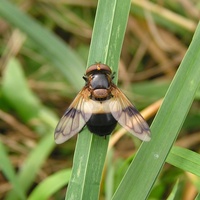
{"points": [[101, 124]]}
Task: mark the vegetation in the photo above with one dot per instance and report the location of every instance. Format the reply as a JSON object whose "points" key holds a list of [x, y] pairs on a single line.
{"points": [[152, 47]]}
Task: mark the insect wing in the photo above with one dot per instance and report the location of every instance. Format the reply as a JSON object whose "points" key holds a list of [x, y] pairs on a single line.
{"points": [[128, 116], [74, 119]]}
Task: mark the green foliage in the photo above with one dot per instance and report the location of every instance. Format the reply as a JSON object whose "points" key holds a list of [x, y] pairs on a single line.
{"points": [[91, 150], [166, 126], [40, 79]]}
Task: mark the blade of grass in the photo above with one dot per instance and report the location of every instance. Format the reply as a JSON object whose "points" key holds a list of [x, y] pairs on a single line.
{"points": [[7, 169], [14, 80], [185, 159], [109, 178], [43, 192], [164, 17], [197, 197], [143, 171], [32, 164], [172, 195], [110, 24], [62, 57]]}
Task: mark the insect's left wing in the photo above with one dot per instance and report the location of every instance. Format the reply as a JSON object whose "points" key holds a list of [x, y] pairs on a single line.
{"points": [[128, 116], [75, 117]]}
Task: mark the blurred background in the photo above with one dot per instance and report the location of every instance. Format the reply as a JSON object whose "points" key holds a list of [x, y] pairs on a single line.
{"points": [[44, 47]]}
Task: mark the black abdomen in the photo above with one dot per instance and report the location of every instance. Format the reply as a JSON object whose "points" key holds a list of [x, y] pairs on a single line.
{"points": [[101, 124]]}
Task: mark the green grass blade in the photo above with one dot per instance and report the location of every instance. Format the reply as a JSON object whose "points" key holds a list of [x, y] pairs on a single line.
{"points": [[13, 80], [172, 195], [60, 55], [109, 29], [24, 102], [185, 159], [150, 158], [32, 165], [109, 177], [7, 169], [90, 153], [198, 197], [48, 187]]}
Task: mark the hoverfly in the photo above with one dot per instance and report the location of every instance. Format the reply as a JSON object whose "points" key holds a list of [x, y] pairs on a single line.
{"points": [[100, 105]]}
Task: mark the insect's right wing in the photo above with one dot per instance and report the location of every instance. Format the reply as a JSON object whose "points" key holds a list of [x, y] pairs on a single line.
{"points": [[128, 116], [75, 117]]}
